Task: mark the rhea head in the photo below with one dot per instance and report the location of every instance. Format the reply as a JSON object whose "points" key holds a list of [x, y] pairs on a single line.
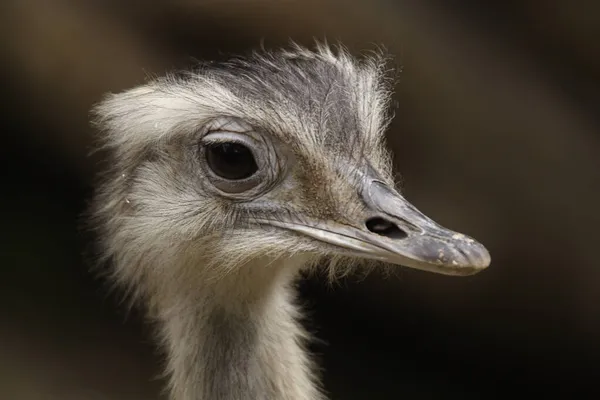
{"points": [[280, 156]]}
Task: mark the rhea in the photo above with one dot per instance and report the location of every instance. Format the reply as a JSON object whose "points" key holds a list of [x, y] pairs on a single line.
{"points": [[227, 181]]}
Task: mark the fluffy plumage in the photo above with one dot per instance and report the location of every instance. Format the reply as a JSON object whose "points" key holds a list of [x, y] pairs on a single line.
{"points": [[218, 285]]}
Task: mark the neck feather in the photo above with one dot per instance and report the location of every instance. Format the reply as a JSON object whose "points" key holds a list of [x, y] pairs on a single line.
{"points": [[238, 337]]}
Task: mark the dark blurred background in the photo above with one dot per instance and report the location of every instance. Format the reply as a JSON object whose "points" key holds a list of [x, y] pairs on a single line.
{"points": [[496, 135]]}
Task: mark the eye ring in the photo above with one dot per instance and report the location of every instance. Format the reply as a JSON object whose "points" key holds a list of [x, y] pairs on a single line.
{"points": [[231, 161]]}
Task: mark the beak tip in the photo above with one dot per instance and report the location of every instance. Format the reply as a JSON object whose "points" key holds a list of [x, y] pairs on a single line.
{"points": [[478, 258]]}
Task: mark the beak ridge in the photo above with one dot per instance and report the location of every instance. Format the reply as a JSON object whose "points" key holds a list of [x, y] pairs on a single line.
{"points": [[425, 244]]}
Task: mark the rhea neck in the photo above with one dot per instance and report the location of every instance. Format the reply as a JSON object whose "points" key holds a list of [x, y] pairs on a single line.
{"points": [[238, 338]]}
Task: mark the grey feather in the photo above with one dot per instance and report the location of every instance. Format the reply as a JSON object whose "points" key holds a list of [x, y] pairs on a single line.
{"points": [[219, 287]]}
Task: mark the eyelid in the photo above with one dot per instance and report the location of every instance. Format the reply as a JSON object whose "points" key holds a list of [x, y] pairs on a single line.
{"points": [[228, 137]]}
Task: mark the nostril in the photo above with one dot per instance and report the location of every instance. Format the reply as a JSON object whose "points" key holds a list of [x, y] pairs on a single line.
{"points": [[385, 228]]}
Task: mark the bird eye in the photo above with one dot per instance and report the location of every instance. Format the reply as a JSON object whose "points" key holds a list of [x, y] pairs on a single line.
{"points": [[236, 160], [230, 160]]}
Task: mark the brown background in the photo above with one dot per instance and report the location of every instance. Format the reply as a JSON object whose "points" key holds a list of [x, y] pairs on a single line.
{"points": [[496, 135]]}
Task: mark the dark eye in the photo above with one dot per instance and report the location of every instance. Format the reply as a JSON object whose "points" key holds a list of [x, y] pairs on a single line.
{"points": [[230, 160]]}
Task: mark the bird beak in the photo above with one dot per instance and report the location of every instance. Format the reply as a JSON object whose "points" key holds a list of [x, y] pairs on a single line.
{"points": [[394, 231]]}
